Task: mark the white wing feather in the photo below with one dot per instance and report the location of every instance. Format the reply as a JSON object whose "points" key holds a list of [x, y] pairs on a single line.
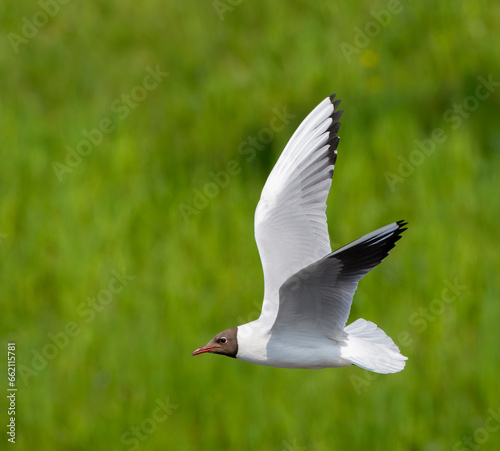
{"points": [[290, 221], [320, 295]]}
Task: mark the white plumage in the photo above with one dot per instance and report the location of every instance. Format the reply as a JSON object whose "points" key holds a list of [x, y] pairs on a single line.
{"points": [[308, 290]]}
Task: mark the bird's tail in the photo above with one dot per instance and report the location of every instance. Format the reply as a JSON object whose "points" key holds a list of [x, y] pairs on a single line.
{"points": [[370, 348]]}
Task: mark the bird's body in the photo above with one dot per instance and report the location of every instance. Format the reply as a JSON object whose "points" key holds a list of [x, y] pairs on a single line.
{"points": [[308, 289], [292, 350]]}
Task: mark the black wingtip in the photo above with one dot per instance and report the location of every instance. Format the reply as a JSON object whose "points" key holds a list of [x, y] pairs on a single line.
{"points": [[334, 102], [370, 250], [402, 223], [333, 129], [336, 115]]}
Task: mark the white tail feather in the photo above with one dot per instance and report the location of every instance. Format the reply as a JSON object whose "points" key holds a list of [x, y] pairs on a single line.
{"points": [[369, 347]]}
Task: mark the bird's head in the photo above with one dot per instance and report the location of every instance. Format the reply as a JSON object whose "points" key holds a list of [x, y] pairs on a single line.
{"points": [[225, 343]]}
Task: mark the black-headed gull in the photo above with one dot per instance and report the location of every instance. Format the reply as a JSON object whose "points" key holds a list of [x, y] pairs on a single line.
{"points": [[308, 289]]}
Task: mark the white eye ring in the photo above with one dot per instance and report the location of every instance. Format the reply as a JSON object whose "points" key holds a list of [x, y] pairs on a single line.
{"points": [[223, 340]]}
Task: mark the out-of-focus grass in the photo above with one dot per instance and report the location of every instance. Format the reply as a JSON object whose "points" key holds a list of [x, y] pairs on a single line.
{"points": [[118, 210]]}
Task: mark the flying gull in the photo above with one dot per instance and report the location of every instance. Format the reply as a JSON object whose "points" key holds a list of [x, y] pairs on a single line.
{"points": [[308, 289]]}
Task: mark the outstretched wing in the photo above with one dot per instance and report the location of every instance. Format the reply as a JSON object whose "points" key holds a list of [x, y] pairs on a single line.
{"points": [[290, 220], [319, 297]]}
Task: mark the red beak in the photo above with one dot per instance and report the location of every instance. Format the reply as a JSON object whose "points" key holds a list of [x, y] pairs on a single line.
{"points": [[203, 349]]}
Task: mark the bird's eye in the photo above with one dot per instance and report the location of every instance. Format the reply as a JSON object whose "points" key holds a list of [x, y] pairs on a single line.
{"points": [[223, 340]]}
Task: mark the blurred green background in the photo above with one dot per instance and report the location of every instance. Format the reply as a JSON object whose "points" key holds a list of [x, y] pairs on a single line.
{"points": [[117, 264]]}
